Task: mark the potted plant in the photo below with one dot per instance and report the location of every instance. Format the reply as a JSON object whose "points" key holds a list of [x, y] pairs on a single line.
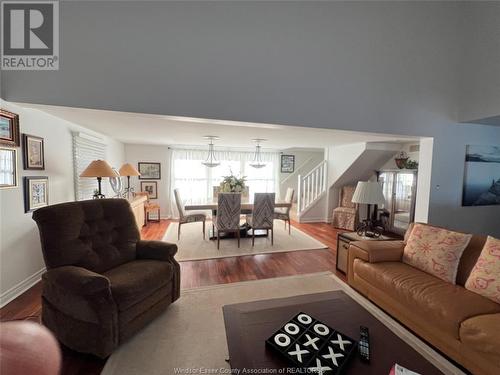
{"points": [[232, 184], [401, 160]]}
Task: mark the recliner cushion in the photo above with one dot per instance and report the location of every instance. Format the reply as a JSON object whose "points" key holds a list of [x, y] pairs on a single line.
{"points": [[134, 281], [428, 295]]}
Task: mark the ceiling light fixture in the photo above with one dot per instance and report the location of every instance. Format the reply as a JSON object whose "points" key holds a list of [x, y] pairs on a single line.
{"points": [[257, 159], [211, 161]]}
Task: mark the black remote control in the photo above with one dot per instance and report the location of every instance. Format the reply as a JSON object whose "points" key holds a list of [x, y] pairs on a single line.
{"points": [[364, 344]]}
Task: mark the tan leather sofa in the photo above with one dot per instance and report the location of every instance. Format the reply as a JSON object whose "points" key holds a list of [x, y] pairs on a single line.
{"points": [[463, 325]]}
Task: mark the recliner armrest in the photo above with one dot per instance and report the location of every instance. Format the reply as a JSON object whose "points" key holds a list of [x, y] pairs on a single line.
{"points": [[77, 280], [156, 250], [377, 251]]}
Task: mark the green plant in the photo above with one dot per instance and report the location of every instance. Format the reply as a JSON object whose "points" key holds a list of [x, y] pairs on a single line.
{"points": [[411, 164], [232, 184]]}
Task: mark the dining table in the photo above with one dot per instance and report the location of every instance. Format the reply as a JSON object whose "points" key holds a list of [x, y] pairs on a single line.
{"points": [[246, 208]]}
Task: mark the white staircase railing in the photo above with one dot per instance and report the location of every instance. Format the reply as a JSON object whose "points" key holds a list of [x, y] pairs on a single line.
{"points": [[311, 187]]}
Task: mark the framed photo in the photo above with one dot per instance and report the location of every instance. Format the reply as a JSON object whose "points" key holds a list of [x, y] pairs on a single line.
{"points": [[149, 171], [33, 153], [287, 163], [36, 193], [8, 168], [482, 176], [9, 128], [150, 187]]}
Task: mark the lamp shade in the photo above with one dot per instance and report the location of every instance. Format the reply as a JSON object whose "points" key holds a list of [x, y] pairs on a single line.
{"points": [[128, 169], [99, 168], [368, 192]]}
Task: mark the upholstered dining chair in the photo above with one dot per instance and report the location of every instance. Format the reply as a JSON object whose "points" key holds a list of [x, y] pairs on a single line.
{"points": [[103, 283], [184, 218], [283, 213], [262, 216], [227, 219], [345, 216]]}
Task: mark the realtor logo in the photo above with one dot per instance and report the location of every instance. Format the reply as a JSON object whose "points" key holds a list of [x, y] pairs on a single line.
{"points": [[30, 35]]}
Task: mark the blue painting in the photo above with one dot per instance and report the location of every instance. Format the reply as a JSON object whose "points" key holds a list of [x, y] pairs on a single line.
{"points": [[482, 176]]}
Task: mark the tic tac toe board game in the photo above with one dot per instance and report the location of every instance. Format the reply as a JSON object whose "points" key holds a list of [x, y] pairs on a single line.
{"points": [[309, 344]]}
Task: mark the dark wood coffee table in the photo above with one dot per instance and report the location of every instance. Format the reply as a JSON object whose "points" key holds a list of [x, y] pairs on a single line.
{"points": [[248, 325]]}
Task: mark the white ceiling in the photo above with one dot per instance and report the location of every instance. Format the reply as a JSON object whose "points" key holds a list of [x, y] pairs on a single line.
{"points": [[138, 128]]}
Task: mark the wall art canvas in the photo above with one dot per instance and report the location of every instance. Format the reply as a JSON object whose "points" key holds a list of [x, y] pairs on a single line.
{"points": [[36, 193], [149, 171], [9, 128], [150, 187], [482, 176], [33, 152], [287, 163], [8, 168]]}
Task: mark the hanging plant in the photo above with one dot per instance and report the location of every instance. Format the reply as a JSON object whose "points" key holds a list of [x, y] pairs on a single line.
{"points": [[401, 160], [411, 164]]}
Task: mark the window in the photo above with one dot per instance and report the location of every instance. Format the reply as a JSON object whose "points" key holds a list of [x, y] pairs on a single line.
{"points": [[196, 182], [85, 150]]}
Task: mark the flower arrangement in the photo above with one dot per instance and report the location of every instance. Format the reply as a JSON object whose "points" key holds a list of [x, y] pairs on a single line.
{"points": [[232, 184]]}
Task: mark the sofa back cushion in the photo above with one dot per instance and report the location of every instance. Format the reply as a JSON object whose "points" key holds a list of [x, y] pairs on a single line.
{"points": [[436, 251], [96, 234], [484, 278]]}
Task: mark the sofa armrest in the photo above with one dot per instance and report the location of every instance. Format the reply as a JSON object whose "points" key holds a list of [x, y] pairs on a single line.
{"points": [[377, 251], [155, 250], [77, 280]]}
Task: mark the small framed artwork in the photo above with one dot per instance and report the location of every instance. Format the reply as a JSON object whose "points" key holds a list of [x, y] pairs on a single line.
{"points": [[8, 168], [9, 129], [150, 187], [287, 163], [149, 171], [33, 153], [36, 193]]}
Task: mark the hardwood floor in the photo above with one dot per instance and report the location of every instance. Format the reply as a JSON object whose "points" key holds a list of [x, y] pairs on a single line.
{"points": [[196, 274]]}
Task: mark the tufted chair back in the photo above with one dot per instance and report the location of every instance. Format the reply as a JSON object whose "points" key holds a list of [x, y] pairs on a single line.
{"points": [[97, 234]]}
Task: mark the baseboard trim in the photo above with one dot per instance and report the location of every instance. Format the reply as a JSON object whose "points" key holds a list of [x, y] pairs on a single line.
{"points": [[313, 220], [20, 288]]}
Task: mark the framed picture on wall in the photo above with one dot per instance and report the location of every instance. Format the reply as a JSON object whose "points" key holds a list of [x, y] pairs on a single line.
{"points": [[149, 171], [9, 128], [36, 192], [8, 168], [33, 153], [150, 187], [482, 176], [287, 163]]}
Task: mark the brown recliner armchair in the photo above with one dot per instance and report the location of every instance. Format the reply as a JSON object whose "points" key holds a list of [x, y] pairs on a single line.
{"points": [[102, 283]]}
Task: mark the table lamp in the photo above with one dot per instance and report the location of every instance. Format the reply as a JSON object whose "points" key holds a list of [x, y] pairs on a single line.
{"points": [[368, 192], [99, 169], [128, 170]]}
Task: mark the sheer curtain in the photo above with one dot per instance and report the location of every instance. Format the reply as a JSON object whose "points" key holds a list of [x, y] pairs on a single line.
{"points": [[196, 182]]}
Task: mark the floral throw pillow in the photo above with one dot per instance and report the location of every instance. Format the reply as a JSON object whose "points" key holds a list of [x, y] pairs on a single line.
{"points": [[484, 278], [435, 250]]}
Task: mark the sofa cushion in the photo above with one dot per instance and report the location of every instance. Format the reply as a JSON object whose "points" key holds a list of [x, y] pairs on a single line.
{"points": [[435, 250], [484, 278], [429, 296], [482, 333], [134, 281]]}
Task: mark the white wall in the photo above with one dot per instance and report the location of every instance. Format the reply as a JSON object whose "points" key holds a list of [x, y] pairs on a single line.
{"points": [[21, 258], [158, 154], [305, 161]]}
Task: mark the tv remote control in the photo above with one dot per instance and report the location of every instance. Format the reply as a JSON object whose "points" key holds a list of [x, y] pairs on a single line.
{"points": [[364, 344]]}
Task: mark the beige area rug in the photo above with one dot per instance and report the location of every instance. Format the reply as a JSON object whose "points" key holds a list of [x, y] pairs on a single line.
{"points": [[190, 333], [192, 246]]}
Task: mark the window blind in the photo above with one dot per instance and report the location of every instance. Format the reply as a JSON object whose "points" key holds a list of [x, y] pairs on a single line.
{"points": [[85, 150]]}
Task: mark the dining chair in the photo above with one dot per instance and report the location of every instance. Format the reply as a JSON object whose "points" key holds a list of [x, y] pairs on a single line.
{"points": [[283, 213], [184, 218], [227, 219], [262, 216]]}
